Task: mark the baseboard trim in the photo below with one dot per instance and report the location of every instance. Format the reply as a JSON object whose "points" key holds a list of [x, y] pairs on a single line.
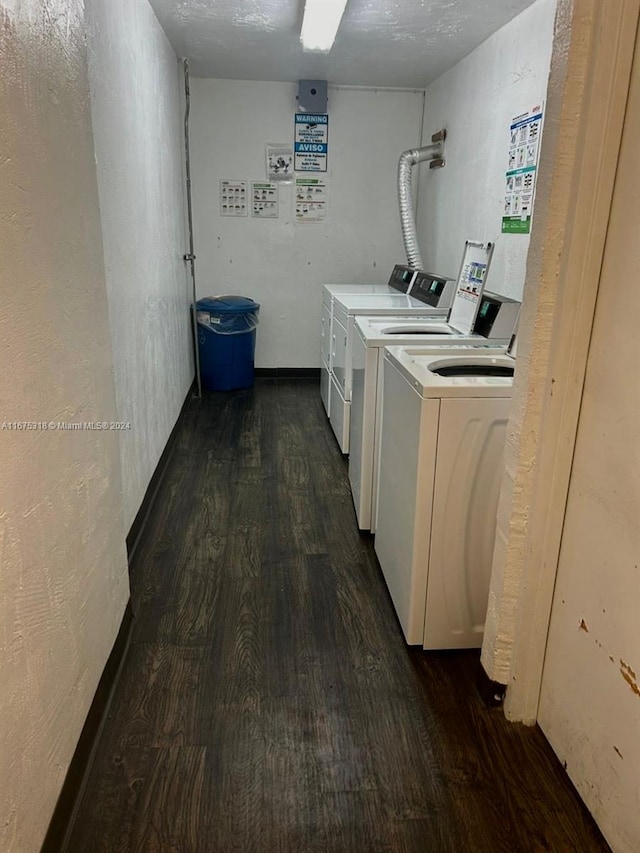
{"points": [[287, 372], [142, 516], [491, 692], [78, 772], [73, 787]]}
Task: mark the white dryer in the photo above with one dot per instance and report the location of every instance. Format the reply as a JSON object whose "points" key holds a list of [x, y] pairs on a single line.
{"points": [[402, 280], [435, 292], [430, 298], [444, 422]]}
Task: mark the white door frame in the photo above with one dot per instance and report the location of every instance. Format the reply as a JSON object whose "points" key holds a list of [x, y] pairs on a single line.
{"points": [[586, 101]]}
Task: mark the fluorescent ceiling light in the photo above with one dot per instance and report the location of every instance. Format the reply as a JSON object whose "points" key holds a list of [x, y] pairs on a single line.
{"points": [[320, 24]]}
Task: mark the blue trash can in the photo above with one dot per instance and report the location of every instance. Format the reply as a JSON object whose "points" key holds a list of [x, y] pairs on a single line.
{"points": [[227, 341]]}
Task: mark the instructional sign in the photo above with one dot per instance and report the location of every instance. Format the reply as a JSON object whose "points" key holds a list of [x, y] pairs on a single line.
{"points": [[311, 200], [279, 162], [264, 199], [520, 179], [233, 197], [471, 281], [311, 143]]}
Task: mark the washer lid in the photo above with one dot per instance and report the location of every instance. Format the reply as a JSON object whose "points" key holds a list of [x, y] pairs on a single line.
{"points": [[394, 325], [470, 365], [429, 327], [469, 375], [418, 332]]}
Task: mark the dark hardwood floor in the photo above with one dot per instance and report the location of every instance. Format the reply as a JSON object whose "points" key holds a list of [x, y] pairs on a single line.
{"points": [[269, 703]]}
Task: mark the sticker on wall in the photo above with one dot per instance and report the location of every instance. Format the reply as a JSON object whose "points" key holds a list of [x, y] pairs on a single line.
{"points": [[264, 199], [520, 178], [279, 162], [233, 197], [311, 200], [311, 142]]}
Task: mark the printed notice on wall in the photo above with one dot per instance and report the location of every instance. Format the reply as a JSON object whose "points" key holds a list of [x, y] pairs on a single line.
{"points": [[279, 162], [311, 142], [264, 199], [311, 200], [520, 179], [233, 197]]}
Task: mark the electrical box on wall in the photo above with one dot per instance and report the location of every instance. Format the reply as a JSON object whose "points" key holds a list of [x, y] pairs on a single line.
{"points": [[312, 96]]}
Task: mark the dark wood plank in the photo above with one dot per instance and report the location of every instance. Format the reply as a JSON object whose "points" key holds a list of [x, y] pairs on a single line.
{"points": [[148, 799], [269, 702], [160, 698]]}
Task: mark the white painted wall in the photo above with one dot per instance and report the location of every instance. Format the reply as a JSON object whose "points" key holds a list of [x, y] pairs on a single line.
{"points": [[475, 101], [137, 121], [63, 569], [279, 263], [590, 699]]}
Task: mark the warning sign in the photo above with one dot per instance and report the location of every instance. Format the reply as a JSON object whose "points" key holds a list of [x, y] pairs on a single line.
{"points": [[311, 144]]}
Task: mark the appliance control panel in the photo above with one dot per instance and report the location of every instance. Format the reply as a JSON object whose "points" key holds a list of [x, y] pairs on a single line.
{"points": [[402, 278], [497, 316], [435, 290]]}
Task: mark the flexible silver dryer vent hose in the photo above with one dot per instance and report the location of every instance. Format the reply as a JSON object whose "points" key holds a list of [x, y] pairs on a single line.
{"points": [[408, 160]]}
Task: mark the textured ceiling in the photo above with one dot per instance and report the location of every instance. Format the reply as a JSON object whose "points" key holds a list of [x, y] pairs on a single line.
{"points": [[393, 43]]}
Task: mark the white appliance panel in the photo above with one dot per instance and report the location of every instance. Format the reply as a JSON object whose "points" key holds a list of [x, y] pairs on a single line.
{"points": [[363, 289], [325, 381], [362, 429], [378, 304], [339, 416], [406, 454], [378, 369], [325, 333], [471, 438], [339, 355]]}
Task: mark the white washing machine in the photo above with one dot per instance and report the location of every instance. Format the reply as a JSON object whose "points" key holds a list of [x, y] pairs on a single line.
{"points": [[434, 292], [372, 334], [444, 422]]}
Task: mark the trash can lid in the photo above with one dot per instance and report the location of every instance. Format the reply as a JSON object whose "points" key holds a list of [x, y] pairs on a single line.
{"points": [[228, 304]]}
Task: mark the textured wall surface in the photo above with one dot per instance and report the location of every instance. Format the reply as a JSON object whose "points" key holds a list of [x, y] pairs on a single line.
{"points": [[514, 594], [137, 121], [281, 263], [475, 101], [590, 699], [63, 571], [534, 340]]}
